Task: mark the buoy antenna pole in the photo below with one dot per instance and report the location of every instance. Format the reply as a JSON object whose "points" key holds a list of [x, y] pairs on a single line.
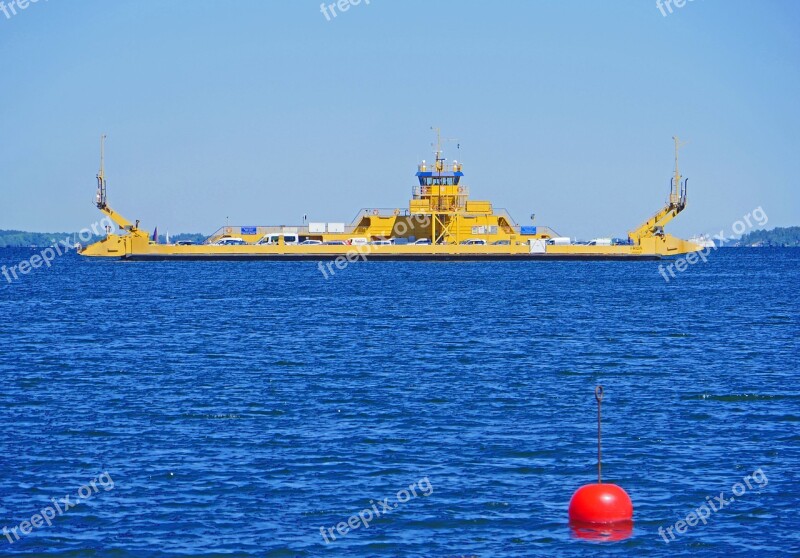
{"points": [[598, 394]]}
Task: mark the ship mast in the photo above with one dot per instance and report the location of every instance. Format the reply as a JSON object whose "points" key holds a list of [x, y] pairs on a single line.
{"points": [[676, 203], [674, 196], [439, 158], [100, 198], [101, 176]]}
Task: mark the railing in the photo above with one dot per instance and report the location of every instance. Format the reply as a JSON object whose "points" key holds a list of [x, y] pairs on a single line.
{"points": [[378, 212], [261, 231], [353, 228], [544, 229], [236, 230]]}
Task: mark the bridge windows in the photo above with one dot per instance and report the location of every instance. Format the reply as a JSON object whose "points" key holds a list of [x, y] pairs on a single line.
{"points": [[439, 180]]}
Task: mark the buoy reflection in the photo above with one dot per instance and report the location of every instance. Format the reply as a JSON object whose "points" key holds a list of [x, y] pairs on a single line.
{"points": [[602, 533]]}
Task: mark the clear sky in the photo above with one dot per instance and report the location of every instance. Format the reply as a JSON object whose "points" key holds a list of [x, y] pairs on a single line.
{"points": [[262, 111]]}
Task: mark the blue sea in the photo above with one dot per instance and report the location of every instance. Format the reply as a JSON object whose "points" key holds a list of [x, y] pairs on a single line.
{"points": [[253, 408]]}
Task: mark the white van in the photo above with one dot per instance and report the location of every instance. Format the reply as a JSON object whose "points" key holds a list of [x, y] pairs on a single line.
{"points": [[560, 241], [290, 239], [358, 241]]}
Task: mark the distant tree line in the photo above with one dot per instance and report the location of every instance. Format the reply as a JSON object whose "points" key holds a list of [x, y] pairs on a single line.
{"points": [[22, 239], [779, 237]]}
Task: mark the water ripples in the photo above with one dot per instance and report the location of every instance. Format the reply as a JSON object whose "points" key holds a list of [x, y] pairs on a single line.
{"points": [[239, 407]]}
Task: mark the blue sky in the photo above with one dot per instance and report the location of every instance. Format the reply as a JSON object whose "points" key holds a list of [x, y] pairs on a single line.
{"points": [[262, 111]]}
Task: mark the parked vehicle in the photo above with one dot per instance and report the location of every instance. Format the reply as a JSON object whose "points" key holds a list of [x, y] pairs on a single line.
{"points": [[474, 242], [290, 239], [230, 241]]}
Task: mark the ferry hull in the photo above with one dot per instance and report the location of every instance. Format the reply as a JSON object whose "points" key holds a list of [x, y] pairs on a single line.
{"points": [[391, 257], [133, 248]]}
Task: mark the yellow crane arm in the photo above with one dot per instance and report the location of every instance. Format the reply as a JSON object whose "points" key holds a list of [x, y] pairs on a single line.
{"points": [[653, 226], [121, 221]]}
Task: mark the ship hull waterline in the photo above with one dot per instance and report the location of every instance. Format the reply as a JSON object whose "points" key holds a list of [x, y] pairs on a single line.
{"points": [[161, 252], [388, 257]]}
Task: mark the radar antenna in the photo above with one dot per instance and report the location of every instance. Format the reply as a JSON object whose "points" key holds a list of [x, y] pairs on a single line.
{"points": [[438, 145]]}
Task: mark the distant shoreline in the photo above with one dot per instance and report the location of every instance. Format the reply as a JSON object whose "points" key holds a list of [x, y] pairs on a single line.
{"points": [[27, 239]]}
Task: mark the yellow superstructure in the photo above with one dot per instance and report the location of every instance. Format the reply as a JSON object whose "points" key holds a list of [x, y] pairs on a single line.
{"points": [[440, 222]]}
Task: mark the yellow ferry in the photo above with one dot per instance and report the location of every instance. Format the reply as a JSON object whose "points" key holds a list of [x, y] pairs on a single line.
{"points": [[441, 222]]}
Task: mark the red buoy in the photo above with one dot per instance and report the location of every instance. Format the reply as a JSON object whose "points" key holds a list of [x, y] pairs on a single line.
{"points": [[600, 503]]}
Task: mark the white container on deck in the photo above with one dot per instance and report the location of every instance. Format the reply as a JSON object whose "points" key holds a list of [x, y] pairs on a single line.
{"points": [[538, 246]]}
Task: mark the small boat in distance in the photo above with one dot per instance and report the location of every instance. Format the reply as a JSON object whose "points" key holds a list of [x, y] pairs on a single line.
{"points": [[703, 240], [441, 222]]}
